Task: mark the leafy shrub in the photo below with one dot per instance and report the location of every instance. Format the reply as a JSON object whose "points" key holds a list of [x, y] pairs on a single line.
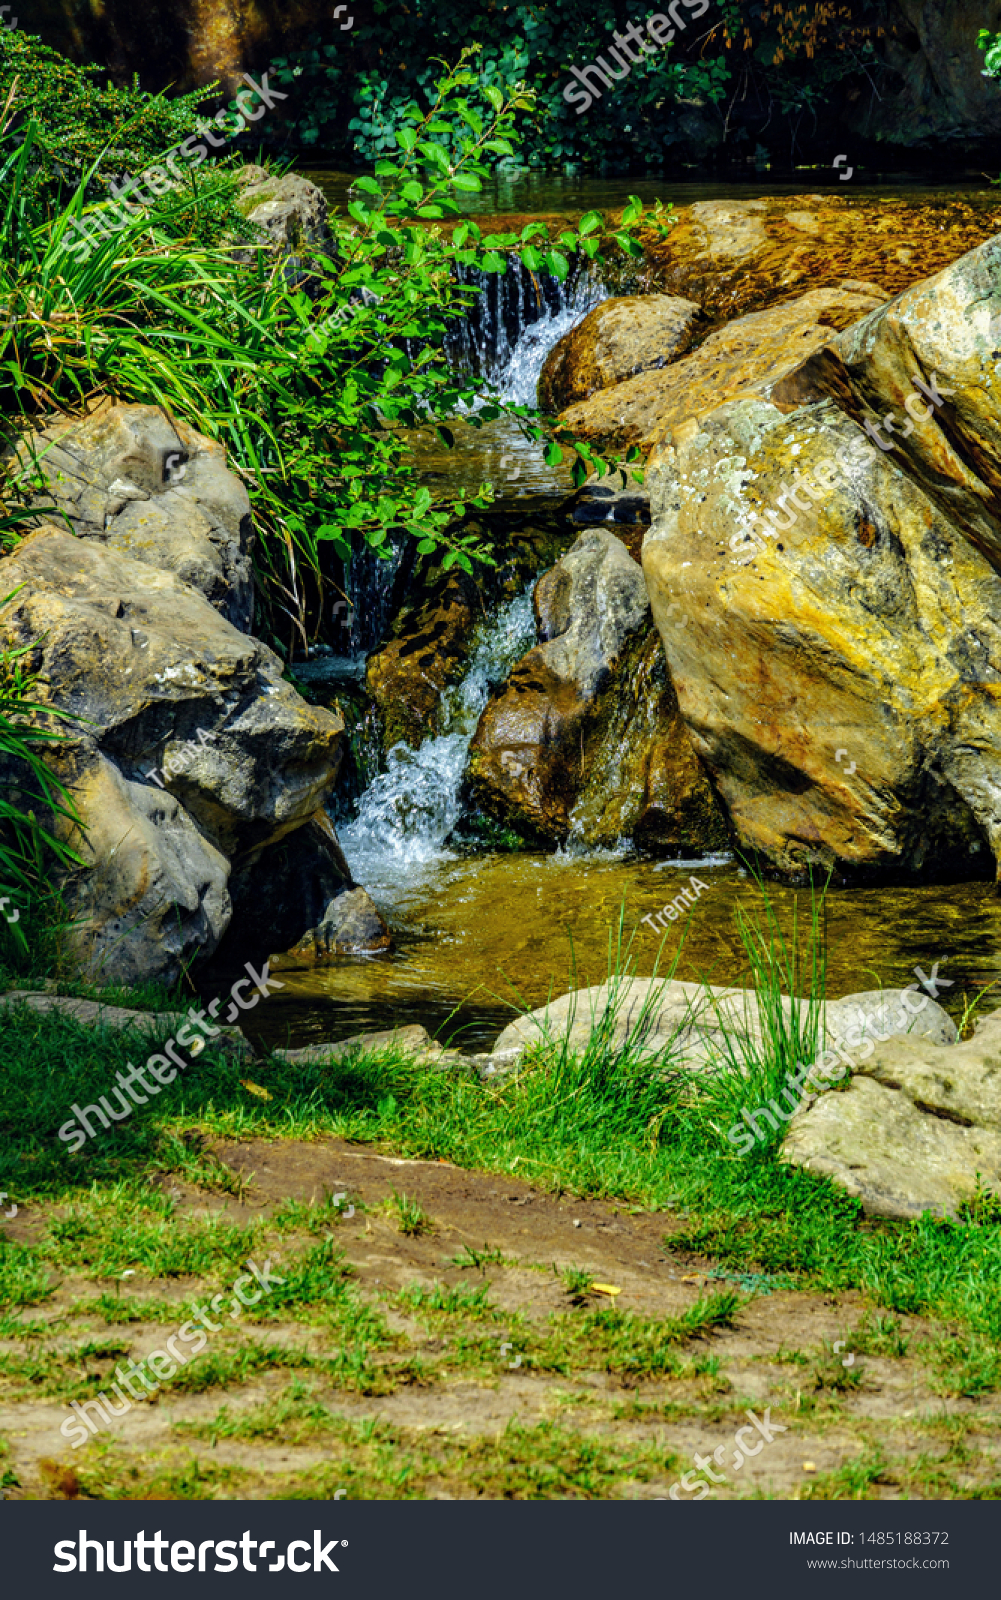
{"points": [[309, 384]]}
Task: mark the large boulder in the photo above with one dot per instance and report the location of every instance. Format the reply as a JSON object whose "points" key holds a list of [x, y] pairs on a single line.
{"points": [[150, 673], [841, 677], [918, 1128], [923, 373], [153, 489], [618, 339], [748, 355]]}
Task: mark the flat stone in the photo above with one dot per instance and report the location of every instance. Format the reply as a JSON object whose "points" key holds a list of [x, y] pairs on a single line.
{"points": [[412, 1040], [915, 1129], [96, 1014], [697, 1021]]}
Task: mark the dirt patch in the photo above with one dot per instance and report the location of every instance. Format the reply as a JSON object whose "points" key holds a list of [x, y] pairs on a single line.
{"points": [[507, 1368]]}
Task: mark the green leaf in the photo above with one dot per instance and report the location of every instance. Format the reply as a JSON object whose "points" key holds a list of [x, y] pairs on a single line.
{"points": [[532, 258], [494, 96], [466, 182], [369, 185], [558, 265], [406, 138], [593, 220], [554, 455]]}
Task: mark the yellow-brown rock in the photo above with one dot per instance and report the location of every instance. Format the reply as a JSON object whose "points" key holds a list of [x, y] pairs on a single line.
{"points": [[738, 256], [923, 375], [841, 678], [619, 339], [585, 739], [747, 356]]}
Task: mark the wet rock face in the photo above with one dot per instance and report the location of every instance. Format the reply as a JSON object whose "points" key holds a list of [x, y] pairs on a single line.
{"points": [[641, 779], [740, 256], [431, 634], [155, 491], [584, 737], [834, 644], [407, 677], [193, 753], [618, 339], [747, 356]]}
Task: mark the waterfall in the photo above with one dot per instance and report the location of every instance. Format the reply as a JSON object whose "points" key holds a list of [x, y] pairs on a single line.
{"points": [[517, 318], [407, 812]]}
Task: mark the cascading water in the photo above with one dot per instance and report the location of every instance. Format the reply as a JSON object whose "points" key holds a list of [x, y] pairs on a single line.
{"points": [[407, 812], [515, 322]]}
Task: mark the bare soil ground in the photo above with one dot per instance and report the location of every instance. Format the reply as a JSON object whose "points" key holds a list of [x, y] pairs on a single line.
{"points": [[504, 1381]]}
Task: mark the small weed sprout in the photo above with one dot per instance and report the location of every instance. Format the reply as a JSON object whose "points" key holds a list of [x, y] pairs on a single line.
{"points": [[412, 1219]]}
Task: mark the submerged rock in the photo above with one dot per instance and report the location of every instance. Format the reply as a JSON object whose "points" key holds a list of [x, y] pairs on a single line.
{"points": [[618, 339], [917, 1129], [748, 355], [740, 256], [351, 925]]}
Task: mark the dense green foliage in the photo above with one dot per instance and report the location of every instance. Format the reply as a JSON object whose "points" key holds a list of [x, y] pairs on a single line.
{"points": [[77, 121], [739, 72], [309, 380]]}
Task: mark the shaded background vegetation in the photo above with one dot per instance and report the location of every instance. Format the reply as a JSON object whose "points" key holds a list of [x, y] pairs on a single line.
{"points": [[753, 85]]}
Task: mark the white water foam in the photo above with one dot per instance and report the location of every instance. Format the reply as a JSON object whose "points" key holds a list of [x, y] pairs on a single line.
{"points": [[517, 380], [408, 811]]}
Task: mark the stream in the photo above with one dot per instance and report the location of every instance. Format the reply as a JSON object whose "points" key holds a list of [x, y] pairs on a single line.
{"points": [[476, 934]]}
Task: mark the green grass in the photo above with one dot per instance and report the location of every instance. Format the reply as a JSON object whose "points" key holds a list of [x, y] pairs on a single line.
{"points": [[608, 1123]]}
